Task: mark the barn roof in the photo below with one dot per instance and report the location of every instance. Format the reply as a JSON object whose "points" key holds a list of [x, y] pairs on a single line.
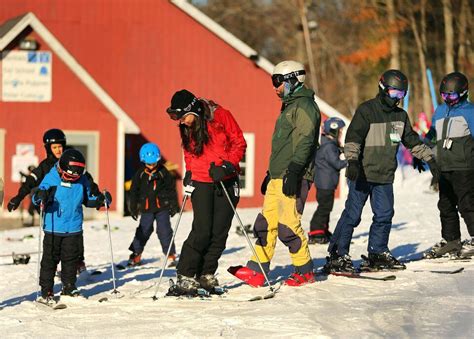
{"points": [[13, 27], [245, 49]]}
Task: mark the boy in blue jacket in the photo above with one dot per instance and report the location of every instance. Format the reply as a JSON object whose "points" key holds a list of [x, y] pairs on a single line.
{"points": [[61, 193], [326, 178], [452, 130]]}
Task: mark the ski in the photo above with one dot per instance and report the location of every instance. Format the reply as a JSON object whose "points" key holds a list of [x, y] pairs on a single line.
{"points": [[436, 260], [459, 270], [358, 275], [51, 304]]}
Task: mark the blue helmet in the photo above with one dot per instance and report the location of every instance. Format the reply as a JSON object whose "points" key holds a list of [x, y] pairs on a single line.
{"points": [[150, 153], [332, 126]]}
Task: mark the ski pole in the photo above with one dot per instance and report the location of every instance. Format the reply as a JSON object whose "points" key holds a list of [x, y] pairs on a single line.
{"points": [[112, 264], [38, 266], [247, 236], [187, 193]]}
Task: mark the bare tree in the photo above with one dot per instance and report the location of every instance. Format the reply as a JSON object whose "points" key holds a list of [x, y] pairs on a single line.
{"points": [[448, 35], [422, 59], [394, 42]]}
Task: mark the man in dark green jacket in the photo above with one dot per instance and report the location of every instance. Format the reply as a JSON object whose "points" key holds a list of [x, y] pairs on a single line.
{"points": [[288, 179], [372, 140]]}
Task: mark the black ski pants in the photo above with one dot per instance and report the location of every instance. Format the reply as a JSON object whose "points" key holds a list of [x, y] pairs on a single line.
{"points": [[212, 220], [320, 219], [64, 249], [456, 193]]}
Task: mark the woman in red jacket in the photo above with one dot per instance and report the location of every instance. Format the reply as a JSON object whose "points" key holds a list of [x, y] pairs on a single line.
{"points": [[213, 146]]}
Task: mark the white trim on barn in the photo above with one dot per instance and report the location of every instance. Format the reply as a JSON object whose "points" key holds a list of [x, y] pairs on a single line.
{"points": [[31, 20], [245, 50]]}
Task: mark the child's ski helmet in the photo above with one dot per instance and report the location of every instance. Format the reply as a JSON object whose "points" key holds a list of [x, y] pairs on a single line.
{"points": [[150, 153]]}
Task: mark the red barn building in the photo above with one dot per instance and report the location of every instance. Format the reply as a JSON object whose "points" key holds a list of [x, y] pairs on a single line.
{"points": [[113, 67]]}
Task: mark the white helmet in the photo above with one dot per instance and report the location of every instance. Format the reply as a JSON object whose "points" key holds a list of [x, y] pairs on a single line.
{"points": [[288, 70]]}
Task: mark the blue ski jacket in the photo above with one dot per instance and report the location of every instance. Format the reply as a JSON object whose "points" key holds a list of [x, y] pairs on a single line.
{"points": [[453, 127], [63, 213]]}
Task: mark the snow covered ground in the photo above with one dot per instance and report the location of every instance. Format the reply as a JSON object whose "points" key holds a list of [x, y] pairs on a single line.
{"points": [[416, 304]]}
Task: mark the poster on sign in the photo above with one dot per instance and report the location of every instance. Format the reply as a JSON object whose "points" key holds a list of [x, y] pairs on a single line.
{"points": [[26, 76], [24, 157]]}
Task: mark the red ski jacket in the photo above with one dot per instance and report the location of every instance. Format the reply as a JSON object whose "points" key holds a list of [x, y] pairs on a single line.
{"points": [[226, 143]]}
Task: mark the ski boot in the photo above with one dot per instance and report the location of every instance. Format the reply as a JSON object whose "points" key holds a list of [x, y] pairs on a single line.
{"points": [[135, 259], [247, 229], [185, 286], [338, 263], [70, 290], [442, 248], [210, 283], [321, 237], [172, 261], [380, 261], [467, 249], [81, 267], [46, 298], [247, 275], [300, 279]]}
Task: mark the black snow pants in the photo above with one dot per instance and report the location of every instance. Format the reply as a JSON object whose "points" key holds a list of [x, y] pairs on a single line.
{"points": [[320, 219], [212, 220], [456, 193], [64, 249]]}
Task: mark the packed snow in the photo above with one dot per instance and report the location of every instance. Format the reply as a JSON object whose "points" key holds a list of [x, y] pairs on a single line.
{"points": [[417, 304]]}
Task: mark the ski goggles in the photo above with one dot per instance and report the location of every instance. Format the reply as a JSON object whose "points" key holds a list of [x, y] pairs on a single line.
{"points": [[278, 79], [396, 93], [179, 113], [450, 97]]}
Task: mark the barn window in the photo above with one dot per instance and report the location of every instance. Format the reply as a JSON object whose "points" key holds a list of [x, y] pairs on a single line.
{"points": [[247, 166]]}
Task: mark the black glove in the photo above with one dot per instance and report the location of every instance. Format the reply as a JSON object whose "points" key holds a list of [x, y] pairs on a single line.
{"points": [[434, 169], [187, 178], [352, 171], [14, 203], [218, 173], [174, 208], [42, 196], [102, 199], [94, 189], [266, 180], [291, 179], [133, 209], [418, 164]]}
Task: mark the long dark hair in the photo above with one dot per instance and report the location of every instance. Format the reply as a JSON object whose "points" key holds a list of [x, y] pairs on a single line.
{"points": [[194, 137]]}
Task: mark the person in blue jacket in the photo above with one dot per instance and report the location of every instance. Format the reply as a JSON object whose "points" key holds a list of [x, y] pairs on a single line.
{"points": [[326, 178], [452, 130], [61, 195]]}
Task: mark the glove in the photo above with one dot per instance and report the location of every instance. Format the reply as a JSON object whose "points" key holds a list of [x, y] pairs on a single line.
{"points": [[174, 208], [218, 173], [133, 209], [352, 171], [266, 180], [102, 199], [434, 169], [187, 178], [42, 196], [290, 180], [14, 203], [418, 164], [94, 189]]}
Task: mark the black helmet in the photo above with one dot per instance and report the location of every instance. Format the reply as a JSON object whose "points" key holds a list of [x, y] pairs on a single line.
{"points": [[54, 136], [395, 79], [454, 87], [393, 86], [183, 103], [71, 165]]}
